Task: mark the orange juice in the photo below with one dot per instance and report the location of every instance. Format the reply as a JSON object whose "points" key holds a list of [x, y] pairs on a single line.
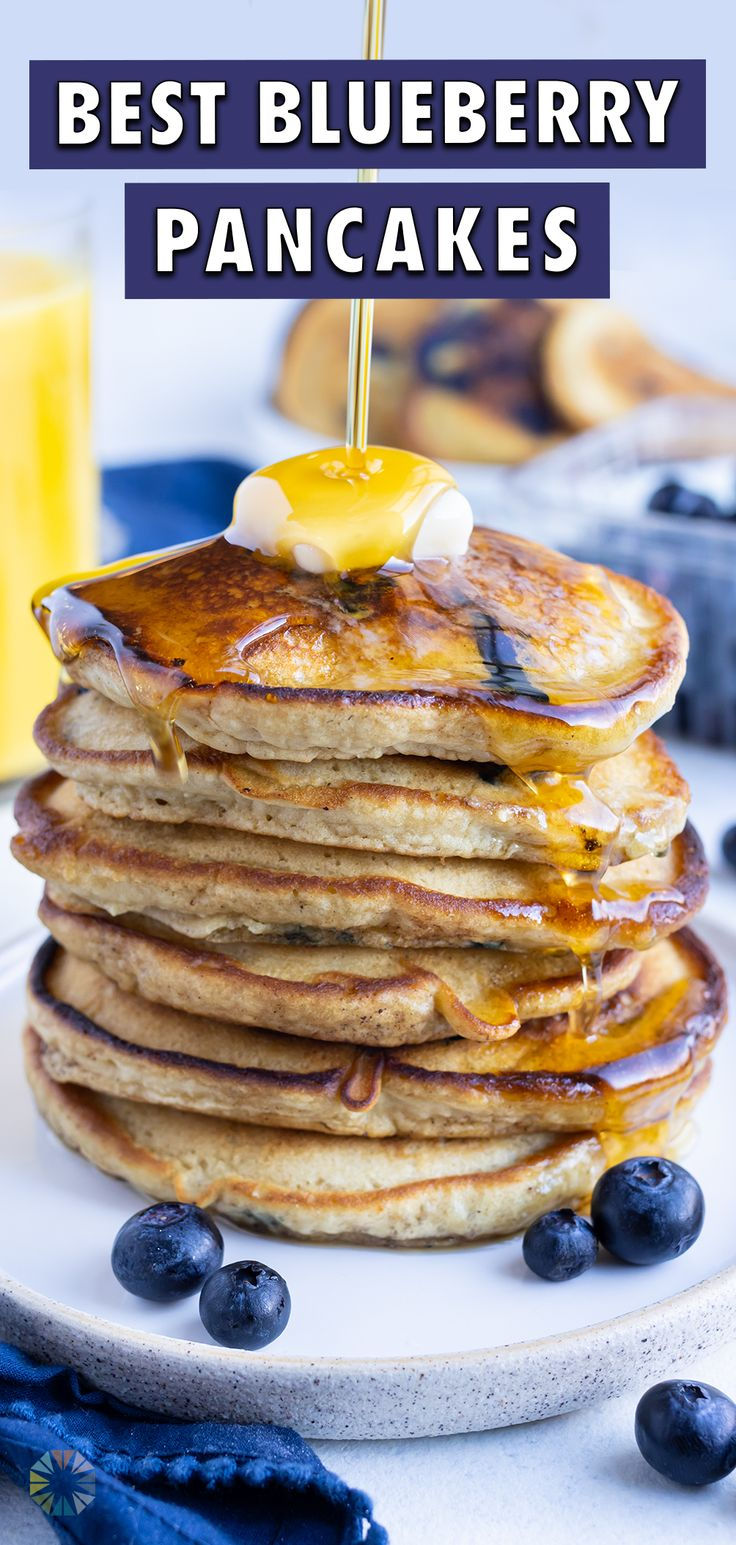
{"points": [[47, 483]]}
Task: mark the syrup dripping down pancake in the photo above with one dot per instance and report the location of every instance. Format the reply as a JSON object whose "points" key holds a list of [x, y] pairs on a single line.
{"points": [[207, 882], [636, 1061], [512, 654], [631, 804], [388, 997]]}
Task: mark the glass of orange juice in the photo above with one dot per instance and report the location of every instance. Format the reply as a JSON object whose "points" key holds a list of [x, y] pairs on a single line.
{"points": [[48, 487]]}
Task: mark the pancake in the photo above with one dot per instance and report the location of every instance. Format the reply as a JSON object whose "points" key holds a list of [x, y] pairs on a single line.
{"points": [[311, 388], [512, 654], [208, 883], [317, 1187], [597, 364], [633, 803], [478, 394], [380, 997], [635, 1061]]}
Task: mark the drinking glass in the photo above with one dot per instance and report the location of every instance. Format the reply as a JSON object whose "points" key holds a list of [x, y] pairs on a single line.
{"points": [[48, 487]]}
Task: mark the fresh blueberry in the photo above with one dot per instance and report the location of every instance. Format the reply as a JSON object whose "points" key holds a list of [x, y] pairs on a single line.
{"points": [[673, 498], [728, 846], [647, 1210], [245, 1305], [560, 1245], [687, 1432], [166, 1251]]}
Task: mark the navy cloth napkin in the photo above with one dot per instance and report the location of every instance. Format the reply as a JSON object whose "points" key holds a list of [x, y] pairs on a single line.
{"points": [[161, 1482], [159, 503]]}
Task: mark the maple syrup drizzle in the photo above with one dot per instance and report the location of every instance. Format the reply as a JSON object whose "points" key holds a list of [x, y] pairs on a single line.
{"points": [[640, 1054], [361, 311]]}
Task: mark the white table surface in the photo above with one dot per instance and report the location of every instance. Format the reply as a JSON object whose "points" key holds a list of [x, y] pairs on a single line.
{"points": [[574, 1477]]}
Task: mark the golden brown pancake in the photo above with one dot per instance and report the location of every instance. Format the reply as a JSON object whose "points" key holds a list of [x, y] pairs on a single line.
{"points": [[379, 997], [635, 1060], [207, 882], [632, 804], [597, 364], [512, 654], [398, 1191]]}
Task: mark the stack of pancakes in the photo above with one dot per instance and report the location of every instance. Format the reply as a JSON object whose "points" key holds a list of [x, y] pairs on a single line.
{"points": [[404, 958], [488, 381]]}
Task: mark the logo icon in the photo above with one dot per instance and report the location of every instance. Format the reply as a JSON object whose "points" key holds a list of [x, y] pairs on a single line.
{"points": [[62, 1482]]}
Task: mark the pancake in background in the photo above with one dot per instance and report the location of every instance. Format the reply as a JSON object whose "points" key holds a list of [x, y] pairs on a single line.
{"points": [[635, 1062], [478, 394], [596, 364], [512, 654], [322, 1187], [311, 388], [378, 997], [632, 804], [207, 882]]}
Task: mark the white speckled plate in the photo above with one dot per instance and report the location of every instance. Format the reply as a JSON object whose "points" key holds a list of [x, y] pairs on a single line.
{"points": [[381, 1344]]}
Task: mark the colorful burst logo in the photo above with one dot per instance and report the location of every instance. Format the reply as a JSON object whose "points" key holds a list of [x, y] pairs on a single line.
{"points": [[62, 1482]]}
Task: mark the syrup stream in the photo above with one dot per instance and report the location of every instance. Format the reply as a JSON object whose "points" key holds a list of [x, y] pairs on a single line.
{"points": [[361, 311]]}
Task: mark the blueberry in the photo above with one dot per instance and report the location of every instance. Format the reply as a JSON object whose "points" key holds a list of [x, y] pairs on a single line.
{"points": [[728, 846], [673, 498], [647, 1210], [687, 1432], [245, 1304], [560, 1245], [166, 1251]]}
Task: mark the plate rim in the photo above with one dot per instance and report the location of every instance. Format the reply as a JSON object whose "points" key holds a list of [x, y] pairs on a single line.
{"points": [[707, 1289], [422, 1395]]}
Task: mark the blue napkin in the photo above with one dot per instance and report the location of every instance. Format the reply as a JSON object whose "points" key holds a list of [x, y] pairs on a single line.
{"points": [[155, 1481], [159, 503]]}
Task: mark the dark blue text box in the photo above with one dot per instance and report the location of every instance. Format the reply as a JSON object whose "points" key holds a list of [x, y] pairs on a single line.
{"points": [[589, 276], [237, 126]]}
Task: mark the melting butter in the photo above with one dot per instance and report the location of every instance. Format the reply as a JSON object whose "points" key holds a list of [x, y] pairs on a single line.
{"points": [[333, 511]]}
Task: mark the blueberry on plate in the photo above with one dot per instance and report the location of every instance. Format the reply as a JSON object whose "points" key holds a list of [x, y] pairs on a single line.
{"points": [[687, 1432], [245, 1305], [647, 1210], [673, 498], [166, 1251], [560, 1245], [728, 846]]}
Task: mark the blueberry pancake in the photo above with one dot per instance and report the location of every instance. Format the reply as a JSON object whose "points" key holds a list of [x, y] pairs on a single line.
{"points": [[632, 804], [512, 654], [317, 1186], [636, 1060], [478, 395], [596, 364], [388, 997], [311, 388], [209, 882]]}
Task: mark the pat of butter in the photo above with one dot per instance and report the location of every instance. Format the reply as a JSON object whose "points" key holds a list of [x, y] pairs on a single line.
{"points": [[326, 512]]}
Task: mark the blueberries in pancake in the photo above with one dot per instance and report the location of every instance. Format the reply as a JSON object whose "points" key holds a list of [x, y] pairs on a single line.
{"points": [[490, 772], [534, 416], [452, 354], [493, 355], [498, 652], [361, 594]]}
